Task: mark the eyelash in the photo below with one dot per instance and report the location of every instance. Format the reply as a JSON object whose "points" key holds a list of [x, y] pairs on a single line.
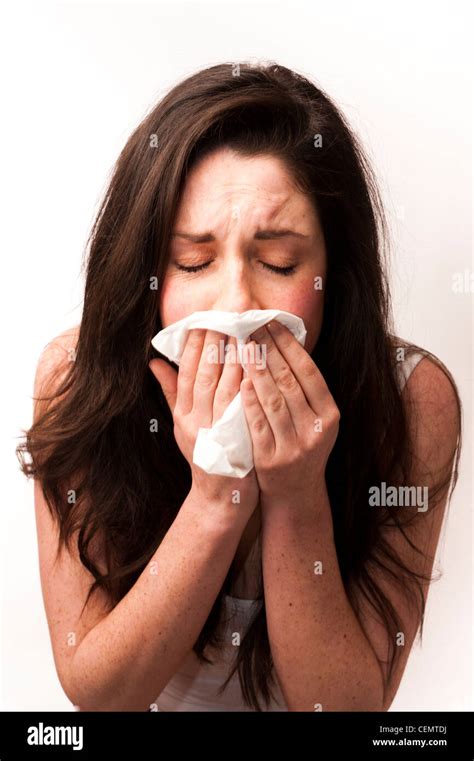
{"points": [[285, 271]]}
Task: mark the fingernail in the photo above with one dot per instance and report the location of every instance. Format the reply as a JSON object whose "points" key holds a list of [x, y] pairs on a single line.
{"points": [[259, 334], [274, 326]]}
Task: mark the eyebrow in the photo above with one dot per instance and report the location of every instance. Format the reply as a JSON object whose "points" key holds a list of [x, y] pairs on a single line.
{"points": [[259, 235]]}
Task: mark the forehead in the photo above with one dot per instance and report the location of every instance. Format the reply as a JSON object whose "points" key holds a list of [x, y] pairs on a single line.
{"points": [[261, 188]]}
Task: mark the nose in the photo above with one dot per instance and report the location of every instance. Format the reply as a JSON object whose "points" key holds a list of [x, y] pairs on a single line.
{"points": [[237, 289]]}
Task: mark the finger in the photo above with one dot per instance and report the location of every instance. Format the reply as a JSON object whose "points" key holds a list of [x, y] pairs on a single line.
{"points": [[271, 400], [261, 433], [188, 366], [229, 383], [167, 377], [207, 377], [285, 379], [304, 369]]}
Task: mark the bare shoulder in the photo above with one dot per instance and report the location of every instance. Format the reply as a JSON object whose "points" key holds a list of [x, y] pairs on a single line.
{"points": [[431, 379], [54, 362], [434, 411], [59, 349]]}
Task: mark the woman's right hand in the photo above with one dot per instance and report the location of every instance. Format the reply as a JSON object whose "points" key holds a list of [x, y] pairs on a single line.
{"points": [[197, 396]]}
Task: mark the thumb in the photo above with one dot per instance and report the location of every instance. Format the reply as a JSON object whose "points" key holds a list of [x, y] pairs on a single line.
{"points": [[167, 377]]}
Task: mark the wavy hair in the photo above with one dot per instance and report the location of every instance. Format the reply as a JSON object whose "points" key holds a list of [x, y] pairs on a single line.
{"points": [[96, 436]]}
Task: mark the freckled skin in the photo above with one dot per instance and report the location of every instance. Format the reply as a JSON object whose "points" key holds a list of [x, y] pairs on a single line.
{"points": [[233, 197]]}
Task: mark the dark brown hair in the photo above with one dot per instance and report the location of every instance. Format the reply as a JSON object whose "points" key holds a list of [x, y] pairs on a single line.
{"points": [[129, 481]]}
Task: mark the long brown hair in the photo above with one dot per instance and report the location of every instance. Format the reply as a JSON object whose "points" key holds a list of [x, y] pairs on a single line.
{"points": [[129, 481]]}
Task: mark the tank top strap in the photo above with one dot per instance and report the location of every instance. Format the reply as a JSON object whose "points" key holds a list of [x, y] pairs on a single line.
{"points": [[405, 367]]}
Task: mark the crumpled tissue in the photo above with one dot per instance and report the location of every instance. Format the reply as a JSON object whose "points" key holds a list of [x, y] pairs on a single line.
{"points": [[226, 448]]}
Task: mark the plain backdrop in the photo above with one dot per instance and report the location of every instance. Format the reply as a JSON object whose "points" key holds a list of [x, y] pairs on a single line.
{"points": [[77, 79]]}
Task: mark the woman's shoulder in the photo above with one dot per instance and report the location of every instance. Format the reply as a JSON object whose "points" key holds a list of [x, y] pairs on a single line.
{"points": [[419, 366], [430, 388], [60, 345], [53, 362], [59, 349]]}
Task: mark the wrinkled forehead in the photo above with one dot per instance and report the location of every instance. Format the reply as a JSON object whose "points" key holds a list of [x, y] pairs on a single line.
{"points": [[223, 190]]}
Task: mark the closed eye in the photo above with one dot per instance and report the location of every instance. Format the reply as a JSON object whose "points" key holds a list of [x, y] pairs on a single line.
{"points": [[194, 268], [273, 268], [280, 270]]}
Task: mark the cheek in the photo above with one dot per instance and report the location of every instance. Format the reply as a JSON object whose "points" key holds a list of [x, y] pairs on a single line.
{"points": [[172, 303], [309, 305], [178, 300]]}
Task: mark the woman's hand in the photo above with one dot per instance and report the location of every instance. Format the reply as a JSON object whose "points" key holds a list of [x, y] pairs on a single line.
{"points": [[292, 417], [197, 396]]}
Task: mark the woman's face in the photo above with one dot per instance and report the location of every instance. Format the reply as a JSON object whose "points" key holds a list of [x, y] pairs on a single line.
{"points": [[237, 219]]}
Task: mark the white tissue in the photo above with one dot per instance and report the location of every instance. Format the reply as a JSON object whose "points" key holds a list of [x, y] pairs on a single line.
{"points": [[226, 448]]}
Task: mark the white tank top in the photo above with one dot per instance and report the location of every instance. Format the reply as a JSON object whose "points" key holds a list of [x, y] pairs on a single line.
{"points": [[194, 687]]}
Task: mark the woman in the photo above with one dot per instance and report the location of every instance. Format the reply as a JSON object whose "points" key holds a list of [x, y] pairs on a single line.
{"points": [[303, 585]]}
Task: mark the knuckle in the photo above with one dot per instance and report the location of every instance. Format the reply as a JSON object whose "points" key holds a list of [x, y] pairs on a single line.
{"points": [[185, 374], [295, 456], [311, 443], [276, 403], [205, 379], [259, 425], [224, 397], [308, 369], [286, 380]]}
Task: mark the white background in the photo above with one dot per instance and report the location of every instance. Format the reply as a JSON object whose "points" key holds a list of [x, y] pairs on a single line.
{"points": [[77, 78]]}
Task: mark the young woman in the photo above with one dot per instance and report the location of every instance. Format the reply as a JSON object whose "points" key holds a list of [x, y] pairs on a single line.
{"points": [[303, 585]]}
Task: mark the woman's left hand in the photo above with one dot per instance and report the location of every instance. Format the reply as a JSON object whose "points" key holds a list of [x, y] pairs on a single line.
{"points": [[292, 417]]}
